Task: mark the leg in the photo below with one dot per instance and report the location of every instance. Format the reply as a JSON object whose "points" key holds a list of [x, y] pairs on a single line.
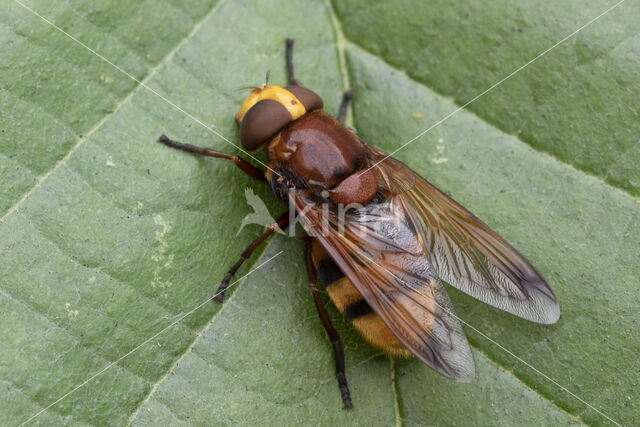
{"points": [[292, 79], [344, 105], [245, 166], [331, 331], [281, 223]]}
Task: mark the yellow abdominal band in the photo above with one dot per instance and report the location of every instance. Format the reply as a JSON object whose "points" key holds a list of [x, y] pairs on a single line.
{"points": [[276, 93]]}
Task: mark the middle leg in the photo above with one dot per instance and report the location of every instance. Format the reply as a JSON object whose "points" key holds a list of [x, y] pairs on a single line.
{"points": [[280, 224]]}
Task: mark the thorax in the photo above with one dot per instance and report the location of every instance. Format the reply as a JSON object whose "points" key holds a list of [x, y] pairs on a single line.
{"points": [[315, 152]]}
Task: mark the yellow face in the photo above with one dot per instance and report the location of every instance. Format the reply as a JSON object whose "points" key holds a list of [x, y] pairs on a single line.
{"points": [[276, 93]]}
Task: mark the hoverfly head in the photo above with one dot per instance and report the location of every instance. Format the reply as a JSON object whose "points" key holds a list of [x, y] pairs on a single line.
{"points": [[269, 108]]}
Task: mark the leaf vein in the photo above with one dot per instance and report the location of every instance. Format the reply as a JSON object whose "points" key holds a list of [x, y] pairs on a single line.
{"points": [[125, 101], [449, 101]]}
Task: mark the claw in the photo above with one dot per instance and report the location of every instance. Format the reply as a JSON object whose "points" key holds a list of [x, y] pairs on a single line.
{"points": [[219, 296]]}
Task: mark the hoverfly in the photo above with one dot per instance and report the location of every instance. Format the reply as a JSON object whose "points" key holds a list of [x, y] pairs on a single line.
{"points": [[383, 259]]}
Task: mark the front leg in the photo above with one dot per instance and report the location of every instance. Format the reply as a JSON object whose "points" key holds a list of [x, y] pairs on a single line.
{"points": [[331, 331], [245, 166], [344, 105], [289, 55]]}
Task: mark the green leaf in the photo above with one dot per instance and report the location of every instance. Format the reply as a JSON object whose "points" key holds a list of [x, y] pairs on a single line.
{"points": [[577, 102], [109, 241]]}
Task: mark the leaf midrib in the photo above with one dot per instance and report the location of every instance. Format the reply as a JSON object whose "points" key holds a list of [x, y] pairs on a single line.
{"points": [[473, 114]]}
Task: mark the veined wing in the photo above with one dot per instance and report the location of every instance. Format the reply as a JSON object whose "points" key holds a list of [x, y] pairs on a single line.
{"points": [[379, 251], [464, 252]]}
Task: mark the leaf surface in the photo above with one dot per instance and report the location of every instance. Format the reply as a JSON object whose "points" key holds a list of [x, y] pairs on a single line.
{"points": [[107, 239]]}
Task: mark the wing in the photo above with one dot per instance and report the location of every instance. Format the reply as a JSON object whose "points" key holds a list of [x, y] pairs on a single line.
{"points": [[467, 254], [378, 250]]}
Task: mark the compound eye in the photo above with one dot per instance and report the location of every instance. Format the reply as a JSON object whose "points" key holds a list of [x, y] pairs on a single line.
{"points": [[262, 122], [309, 98]]}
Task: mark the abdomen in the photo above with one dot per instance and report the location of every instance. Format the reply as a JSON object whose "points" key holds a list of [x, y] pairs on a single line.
{"points": [[352, 306]]}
